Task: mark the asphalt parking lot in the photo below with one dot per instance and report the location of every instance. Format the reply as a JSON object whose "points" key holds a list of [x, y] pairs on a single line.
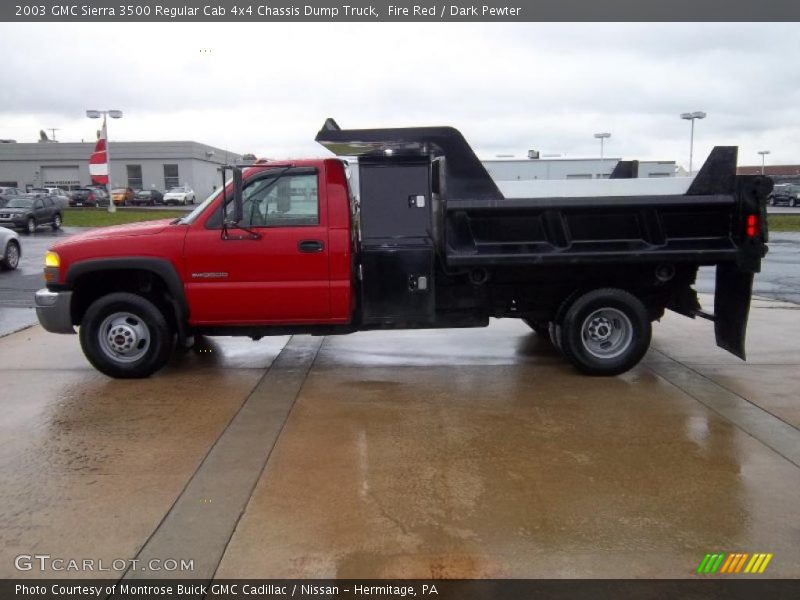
{"points": [[452, 454]]}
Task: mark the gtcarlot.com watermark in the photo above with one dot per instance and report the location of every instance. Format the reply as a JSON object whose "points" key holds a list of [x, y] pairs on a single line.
{"points": [[47, 563]]}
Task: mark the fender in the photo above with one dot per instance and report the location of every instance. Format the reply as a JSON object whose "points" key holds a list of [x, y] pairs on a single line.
{"points": [[161, 267]]}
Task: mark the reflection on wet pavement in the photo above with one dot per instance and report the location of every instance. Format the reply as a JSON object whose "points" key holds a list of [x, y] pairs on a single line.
{"points": [[467, 453]]}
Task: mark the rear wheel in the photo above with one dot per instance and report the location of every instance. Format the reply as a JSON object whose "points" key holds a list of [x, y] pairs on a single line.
{"points": [[125, 336], [605, 332], [792, 202], [10, 258], [56, 222]]}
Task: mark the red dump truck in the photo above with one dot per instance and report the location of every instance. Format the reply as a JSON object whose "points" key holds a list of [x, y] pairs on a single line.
{"points": [[425, 239]]}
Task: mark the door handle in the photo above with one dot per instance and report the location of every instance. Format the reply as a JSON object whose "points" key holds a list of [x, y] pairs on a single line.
{"points": [[311, 246]]}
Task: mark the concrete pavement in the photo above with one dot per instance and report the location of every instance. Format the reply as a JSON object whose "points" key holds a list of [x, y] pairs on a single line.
{"points": [[474, 453]]}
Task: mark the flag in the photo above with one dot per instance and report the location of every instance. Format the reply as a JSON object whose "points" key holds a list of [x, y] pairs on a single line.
{"points": [[98, 161]]}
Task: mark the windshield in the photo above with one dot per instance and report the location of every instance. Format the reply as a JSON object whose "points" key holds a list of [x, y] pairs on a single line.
{"points": [[177, 190], [20, 203], [192, 216]]}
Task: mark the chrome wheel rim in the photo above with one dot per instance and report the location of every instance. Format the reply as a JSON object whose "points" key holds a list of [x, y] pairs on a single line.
{"points": [[57, 221], [607, 333], [31, 226], [12, 256], [124, 337]]}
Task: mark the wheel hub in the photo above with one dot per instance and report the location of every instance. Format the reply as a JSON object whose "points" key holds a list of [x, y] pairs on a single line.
{"points": [[600, 329], [124, 337], [607, 333]]}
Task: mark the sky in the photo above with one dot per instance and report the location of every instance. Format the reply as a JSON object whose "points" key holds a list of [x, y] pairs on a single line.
{"points": [[267, 88]]}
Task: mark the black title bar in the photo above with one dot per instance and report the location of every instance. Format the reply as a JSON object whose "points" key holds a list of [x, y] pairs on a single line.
{"points": [[718, 587], [399, 11]]}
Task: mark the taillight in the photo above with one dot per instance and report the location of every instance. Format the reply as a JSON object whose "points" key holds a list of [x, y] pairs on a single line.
{"points": [[752, 226]]}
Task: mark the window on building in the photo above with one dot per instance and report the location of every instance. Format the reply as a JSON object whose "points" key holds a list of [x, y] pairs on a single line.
{"points": [[135, 177], [171, 178]]}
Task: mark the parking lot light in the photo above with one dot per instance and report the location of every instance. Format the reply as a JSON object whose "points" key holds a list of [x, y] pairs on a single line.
{"points": [[692, 116], [602, 137], [763, 154]]}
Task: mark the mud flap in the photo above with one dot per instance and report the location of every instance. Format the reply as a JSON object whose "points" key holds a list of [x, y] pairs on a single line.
{"points": [[732, 307]]}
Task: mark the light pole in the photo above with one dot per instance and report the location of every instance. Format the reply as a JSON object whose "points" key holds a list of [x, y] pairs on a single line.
{"points": [[114, 114], [602, 137], [763, 154], [699, 114]]}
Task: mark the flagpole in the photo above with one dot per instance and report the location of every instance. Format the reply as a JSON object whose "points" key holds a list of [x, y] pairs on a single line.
{"points": [[111, 207]]}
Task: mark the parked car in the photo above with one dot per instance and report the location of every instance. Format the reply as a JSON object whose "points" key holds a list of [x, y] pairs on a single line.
{"points": [[100, 192], [785, 193], [122, 196], [4, 200], [12, 249], [148, 197], [30, 211], [10, 191], [60, 197], [180, 195], [84, 197]]}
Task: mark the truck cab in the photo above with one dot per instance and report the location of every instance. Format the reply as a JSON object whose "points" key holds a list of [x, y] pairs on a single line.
{"points": [[420, 238]]}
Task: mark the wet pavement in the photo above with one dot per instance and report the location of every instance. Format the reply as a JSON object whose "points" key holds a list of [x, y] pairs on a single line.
{"points": [[465, 453]]}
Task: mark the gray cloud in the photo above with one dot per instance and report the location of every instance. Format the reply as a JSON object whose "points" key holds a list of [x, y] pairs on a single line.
{"points": [[266, 88]]}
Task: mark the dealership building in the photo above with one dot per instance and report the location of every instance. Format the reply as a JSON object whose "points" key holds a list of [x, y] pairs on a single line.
{"points": [[138, 165]]}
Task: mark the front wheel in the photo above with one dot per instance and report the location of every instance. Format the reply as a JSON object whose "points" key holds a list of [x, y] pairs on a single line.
{"points": [[125, 336], [605, 332], [30, 225], [56, 222]]}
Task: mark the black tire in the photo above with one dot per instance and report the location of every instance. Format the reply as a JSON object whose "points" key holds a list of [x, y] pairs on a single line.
{"points": [[605, 332], [11, 254], [56, 225], [30, 225], [541, 328], [554, 327], [147, 324], [792, 202]]}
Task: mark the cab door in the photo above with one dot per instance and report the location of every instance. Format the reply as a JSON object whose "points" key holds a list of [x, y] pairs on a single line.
{"points": [[275, 270]]}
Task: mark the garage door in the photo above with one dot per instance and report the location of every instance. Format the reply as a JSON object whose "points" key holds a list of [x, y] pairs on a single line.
{"points": [[66, 178]]}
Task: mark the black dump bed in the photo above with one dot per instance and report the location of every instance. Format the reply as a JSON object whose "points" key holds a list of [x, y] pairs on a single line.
{"points": [[720, 220]]}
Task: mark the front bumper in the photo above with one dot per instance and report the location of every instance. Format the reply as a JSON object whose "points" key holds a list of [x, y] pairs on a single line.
{"points": [[53, 311], [18, 223]]}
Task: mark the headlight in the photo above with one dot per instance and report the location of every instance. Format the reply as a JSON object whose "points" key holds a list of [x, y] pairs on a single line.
{"points": [[52, 264]]}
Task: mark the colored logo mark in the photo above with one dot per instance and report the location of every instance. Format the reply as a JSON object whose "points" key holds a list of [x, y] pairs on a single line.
{"points": [[734, 562]]}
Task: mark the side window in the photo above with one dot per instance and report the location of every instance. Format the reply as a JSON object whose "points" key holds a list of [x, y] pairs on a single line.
{"points": [[38, 205], [289, 201]]}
